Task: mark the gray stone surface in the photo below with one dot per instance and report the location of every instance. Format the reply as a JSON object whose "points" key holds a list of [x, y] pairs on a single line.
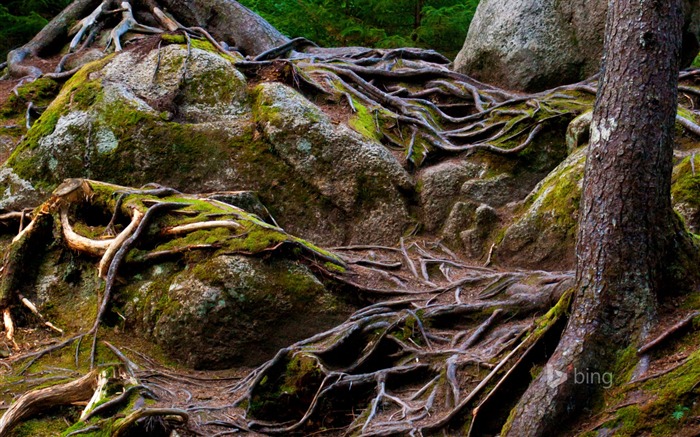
{"points": [[537, 44], [208, 87], [495, 191], [234, 310], [16, 193], [357, 175], [440, 186], [543, 233]]}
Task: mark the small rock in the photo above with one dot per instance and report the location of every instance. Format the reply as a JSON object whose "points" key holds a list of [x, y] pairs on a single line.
{"points": [[440, 189], [461, 218]]}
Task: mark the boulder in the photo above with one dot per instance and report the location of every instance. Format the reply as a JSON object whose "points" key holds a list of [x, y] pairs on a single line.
{"points": [[232, 310], [542, 234], [685, 192], [533, 45], [461, 218], [486, 220], [358, 175], [17, 193], [188, 119]]}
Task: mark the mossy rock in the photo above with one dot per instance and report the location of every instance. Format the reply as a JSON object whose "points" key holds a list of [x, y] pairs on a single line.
{"points": [[196, 87], [685, 192], [542, 235], [130, 119], [232, 309], [439, 188], [356, 174], [16, 193], [217, 306]]}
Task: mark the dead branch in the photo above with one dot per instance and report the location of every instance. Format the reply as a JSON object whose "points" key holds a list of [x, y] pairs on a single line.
{"points": [[684, 323], [34, 402], [36, 312], [192, 227], [82, 244], [116, 263], [128, 23], [117, 242]]}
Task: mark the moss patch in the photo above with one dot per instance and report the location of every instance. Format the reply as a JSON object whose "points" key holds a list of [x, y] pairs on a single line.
{"points": [[543, 232], [670, 402]]}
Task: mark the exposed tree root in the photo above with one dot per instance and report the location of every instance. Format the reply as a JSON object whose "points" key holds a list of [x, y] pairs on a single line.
{"points": [[411, 364], [175, 219], [439, 343], [686, 322], [34, 402], [404, 364], [128, 23]]}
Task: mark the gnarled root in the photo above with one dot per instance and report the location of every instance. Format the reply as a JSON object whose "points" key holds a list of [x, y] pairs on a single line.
{"points": [[127, 24], [405, 363], [55, 30], [34, 402]]}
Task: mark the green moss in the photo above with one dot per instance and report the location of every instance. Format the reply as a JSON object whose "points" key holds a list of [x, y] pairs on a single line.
{"points": [[288, 388], [45, 426], [170, 38], [259, 239], [40, 92], [670, 401], [625, 364], [334, 267], [685, 186], [201, 44], [86, 95], [300, 368], [365, 121], [25, 164], [554, 314]]}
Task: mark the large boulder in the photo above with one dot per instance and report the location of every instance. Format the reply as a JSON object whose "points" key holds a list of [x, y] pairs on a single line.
{"points": [[536, 44], [188, 119], [542, 234]]}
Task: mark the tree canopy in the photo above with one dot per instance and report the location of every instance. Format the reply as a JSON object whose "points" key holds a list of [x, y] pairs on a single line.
{"points": [[21, 20], [437, 24]]}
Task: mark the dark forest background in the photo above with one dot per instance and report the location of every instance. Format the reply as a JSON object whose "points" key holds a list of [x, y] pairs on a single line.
{"points": [[438, 24]]}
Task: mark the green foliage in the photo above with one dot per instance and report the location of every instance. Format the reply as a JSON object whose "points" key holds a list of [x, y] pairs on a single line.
{"points": [[438, 24], [679, 412], [21, 20]]}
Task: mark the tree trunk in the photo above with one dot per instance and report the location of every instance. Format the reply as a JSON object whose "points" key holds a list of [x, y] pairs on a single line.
{"points": [[418, 14], [230, 21], [227, 20], [626, 222], [53, 33]]}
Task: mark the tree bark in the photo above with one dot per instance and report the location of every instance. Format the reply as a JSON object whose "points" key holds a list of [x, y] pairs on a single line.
{"points": [[55, 31], [226, 20], [230, 21], [627, 222]]}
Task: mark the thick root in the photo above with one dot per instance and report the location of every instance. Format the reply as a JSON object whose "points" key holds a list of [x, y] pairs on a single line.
{"points": [[34, 402]]}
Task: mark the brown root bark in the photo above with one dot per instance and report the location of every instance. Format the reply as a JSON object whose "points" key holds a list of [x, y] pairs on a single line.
{"points": [[49, 36], [233, 23], [37, 401], [229, 21]]}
